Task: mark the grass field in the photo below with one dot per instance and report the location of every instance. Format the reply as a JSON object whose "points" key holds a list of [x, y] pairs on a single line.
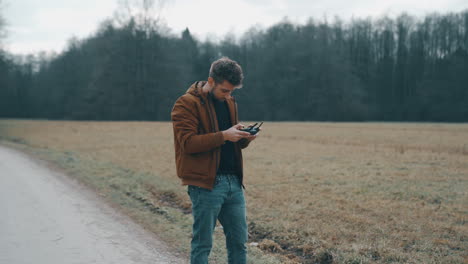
{"points": [[316, 192]]}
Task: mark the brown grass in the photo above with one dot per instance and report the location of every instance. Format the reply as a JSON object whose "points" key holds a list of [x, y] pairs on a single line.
{"points": [[316, 192]]}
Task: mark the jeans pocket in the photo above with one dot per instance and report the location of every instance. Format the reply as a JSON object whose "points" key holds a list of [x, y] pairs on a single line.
{"points": [[193, 192]]}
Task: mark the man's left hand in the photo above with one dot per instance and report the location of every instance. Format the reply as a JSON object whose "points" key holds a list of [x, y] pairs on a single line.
{"points": [[253, 137]]}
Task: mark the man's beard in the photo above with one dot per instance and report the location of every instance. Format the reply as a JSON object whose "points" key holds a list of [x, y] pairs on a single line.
{"points": [[213, 91]]}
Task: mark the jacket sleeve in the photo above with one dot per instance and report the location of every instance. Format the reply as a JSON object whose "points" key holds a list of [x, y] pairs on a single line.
{"points": [[185, 124]]}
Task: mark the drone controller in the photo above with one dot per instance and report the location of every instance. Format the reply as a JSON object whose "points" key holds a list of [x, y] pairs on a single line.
{"points": [[252, 129]]}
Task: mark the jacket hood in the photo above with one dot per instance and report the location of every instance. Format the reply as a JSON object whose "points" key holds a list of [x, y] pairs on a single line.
{"points": [[196, 89]]}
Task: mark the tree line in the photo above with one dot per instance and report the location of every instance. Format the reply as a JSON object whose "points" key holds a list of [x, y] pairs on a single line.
{"points": [[387, 69]]}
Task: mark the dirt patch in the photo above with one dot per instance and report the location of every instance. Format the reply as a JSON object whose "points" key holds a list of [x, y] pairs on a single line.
{"points": [[170, 199]]}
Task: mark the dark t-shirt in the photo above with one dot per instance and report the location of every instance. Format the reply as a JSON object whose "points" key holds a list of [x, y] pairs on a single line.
{"points": [[228, 159]]}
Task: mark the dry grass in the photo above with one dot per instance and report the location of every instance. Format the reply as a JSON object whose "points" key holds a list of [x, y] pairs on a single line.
{"points": [[351, 192]]}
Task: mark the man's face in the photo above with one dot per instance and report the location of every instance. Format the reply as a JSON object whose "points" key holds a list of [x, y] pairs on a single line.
{"points": [[222, 91]]}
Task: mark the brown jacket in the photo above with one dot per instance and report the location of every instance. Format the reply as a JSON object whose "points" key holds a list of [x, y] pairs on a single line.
{"points": [[197, 139]]}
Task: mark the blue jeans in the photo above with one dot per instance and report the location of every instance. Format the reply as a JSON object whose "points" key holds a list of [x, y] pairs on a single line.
{"points": [[227, 204]]}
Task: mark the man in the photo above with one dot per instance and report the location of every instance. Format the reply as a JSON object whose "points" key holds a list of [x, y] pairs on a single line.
{"points": [[208, 155]]}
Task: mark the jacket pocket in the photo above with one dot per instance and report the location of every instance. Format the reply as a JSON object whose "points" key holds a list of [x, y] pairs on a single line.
{"points": [[197, 165]]}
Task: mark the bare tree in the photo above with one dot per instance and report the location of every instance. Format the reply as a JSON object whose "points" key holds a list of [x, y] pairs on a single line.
{"points": [[2, 24], [146, 14]]}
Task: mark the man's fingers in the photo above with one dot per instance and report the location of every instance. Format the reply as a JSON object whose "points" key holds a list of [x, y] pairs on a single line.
{"points": [[244, 134]]}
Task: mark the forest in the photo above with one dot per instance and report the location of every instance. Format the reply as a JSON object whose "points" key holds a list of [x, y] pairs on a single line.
{"points": [[404, 68]]}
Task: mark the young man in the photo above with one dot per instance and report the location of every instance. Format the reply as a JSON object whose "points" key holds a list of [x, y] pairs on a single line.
{"points": [[208, 155]]}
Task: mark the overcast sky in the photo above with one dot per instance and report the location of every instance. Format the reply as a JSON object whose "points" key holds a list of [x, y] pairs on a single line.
{"points": [[45, 25]]}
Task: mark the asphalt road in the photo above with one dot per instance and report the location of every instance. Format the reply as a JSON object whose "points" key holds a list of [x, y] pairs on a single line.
{"points": [[48, 218]]}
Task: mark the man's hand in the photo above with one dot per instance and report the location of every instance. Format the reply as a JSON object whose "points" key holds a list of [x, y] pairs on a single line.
{"points": [[234, 134], [252, 137]]}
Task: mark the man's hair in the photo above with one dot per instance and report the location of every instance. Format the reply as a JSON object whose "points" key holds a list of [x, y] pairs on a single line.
{"points": [[225, 69]]}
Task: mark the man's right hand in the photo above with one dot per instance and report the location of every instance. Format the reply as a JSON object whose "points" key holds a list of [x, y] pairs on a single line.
{"points": [[234, 134]]}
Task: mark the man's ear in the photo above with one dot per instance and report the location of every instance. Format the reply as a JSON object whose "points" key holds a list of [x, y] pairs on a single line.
{"points": [[211, 81]]}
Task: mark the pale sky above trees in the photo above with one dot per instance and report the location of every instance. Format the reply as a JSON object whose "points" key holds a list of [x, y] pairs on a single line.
{"points": [[47, 25]]}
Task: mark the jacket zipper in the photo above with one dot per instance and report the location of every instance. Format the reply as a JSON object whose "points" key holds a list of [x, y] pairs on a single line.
{"points": [[213, 128], [235, 111], [236, 121]]}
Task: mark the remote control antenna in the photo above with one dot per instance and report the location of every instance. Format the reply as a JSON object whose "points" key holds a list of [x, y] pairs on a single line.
{"points": [[260, 125]]}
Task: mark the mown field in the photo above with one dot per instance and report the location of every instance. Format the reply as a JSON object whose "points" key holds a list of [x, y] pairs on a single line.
{"points": [[316, 192]]}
